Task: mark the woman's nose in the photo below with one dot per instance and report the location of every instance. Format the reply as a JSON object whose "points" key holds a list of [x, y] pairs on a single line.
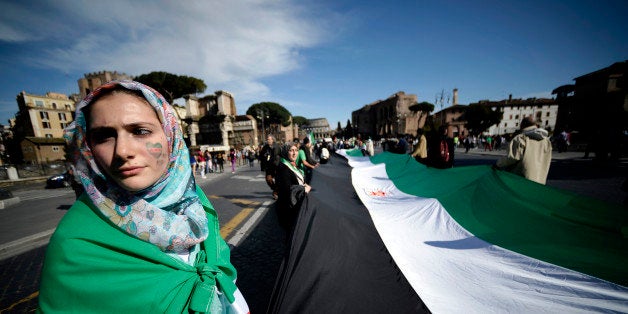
{"points": [[125, 147]]}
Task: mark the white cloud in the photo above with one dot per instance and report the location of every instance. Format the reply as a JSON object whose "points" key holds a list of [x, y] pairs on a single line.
{"points": [[228, 44]]}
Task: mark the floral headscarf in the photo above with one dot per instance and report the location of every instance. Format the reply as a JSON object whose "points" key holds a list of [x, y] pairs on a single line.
{"points": [[168, 213]]}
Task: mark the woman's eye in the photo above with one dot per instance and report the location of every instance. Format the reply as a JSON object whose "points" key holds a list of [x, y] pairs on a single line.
{"points": [[101, 136], [142, 131]]}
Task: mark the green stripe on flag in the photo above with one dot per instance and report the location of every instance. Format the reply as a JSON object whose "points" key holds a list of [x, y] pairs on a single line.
{"points": [[354, 152], [556, 226]]}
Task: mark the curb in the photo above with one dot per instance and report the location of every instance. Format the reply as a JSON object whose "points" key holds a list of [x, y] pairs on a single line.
{"points": [[25, 244], [9, 202]]}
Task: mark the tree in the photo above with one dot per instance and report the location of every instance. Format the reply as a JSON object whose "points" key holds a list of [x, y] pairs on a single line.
{"points": [[480, 117], [299, 120], [172, 86], [273, 113], [348, 131], [421, 108], [339, 131]]}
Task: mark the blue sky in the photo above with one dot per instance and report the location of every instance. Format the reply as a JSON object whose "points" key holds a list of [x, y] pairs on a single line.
{"points": [[323, 58]]}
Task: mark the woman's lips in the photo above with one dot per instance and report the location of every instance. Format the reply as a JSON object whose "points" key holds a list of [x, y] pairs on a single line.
{"points": [[129, 171]]}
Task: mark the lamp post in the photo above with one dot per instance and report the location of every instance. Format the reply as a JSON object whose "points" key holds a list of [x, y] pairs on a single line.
{"points": [[260, 115]]}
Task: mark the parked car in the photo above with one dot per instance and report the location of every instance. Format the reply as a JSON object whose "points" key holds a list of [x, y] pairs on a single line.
{"points": [[58, 181], [5, 194]]}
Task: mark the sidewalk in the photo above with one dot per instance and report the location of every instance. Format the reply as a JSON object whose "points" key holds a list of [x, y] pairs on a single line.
{"points": [[503, 152]]}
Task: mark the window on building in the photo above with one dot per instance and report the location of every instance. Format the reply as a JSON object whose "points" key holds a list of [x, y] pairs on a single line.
{"points": [[39, 103], [547, 114], [48, 135], [43, 115], [55, 148], [517, 124], [63, 125], [46, 124], [517, 117], [506, 124], [539, 115], [510, 117], [54, 105], [68, 107], [612, 84], [62, 116]]}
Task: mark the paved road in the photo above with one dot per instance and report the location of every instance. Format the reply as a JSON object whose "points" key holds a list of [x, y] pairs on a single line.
{"points": [[258, 245], [245, 210]]}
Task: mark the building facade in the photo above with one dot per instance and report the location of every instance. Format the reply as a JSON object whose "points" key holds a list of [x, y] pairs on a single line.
{"points": [[388, 118], [41, 150], [91, 81], [543, 110], [43, 115], [452, 118], [40, 118], [595, 110], [319, 128]]}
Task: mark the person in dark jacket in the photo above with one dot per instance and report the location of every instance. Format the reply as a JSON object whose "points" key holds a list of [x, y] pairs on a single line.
{"points": [[269, 158], [291, 187]]}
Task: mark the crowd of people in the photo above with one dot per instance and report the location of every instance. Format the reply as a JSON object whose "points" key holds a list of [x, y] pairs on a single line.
{"points": [[142, 226], [204, 163], [527, 154]]}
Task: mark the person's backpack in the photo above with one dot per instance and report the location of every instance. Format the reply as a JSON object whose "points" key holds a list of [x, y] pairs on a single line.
{"points": [[444, 151]]}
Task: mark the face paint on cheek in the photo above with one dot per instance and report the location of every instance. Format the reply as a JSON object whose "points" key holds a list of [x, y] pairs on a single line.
{"points": [[155, 150]]}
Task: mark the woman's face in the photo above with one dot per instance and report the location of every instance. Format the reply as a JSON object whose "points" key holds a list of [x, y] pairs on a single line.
{"points": [[127, 140], [292, 153]]}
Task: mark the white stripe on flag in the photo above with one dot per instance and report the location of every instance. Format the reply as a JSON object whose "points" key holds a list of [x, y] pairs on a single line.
{"points": [[454, 272]]}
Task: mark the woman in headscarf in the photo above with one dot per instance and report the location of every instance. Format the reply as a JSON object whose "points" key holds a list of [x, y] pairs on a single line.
{"points": [[143, 237], [291, 186]]}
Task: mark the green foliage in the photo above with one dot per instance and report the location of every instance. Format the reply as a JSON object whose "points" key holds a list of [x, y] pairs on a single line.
{"points": [[172, 86], [480, 117], [299, 120], [422, 107], [274, 113]]}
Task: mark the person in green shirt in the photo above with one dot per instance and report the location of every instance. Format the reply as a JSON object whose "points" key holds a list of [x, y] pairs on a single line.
{"points": [[143, 237], [304, 160]]}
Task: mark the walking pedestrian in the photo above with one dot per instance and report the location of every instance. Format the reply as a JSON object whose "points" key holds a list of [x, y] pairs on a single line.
{"points": [[233, 159], [269, 158], [529, 153]]}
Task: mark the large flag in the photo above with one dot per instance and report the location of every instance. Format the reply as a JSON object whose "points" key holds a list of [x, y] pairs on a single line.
{"points": [[386, 234], [336, 262], [473, 239]]}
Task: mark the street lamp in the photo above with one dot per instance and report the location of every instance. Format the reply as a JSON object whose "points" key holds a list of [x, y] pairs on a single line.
{"points": [[260, 115]]}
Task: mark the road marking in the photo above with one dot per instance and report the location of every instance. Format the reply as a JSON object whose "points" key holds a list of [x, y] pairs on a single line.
{"points": [[250, 179], [231, 225], [237, 238], [28, 298], [244, 202], [37, 195], [226, 230], [25, 244]]}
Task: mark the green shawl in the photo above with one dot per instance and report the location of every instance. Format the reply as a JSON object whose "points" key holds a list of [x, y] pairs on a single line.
{"points": [[92, 266]]}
